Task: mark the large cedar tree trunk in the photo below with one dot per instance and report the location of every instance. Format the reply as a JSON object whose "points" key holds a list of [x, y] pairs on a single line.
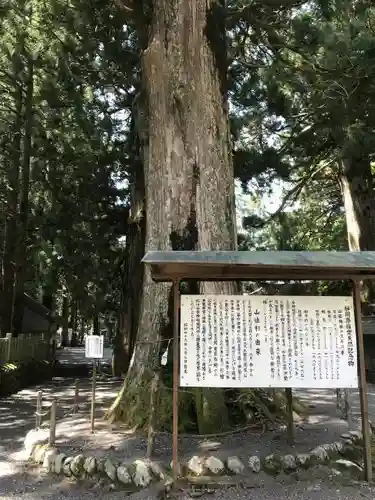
{"points": [[24, 201], [65, 320], [358, 194], [74, 323], [188, 173], [11, 232], [126, 333], [96, 322], [120, 360], [82, 329]]}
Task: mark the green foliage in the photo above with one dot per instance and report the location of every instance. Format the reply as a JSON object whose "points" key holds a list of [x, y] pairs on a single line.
{"points": [[301, 87], [80, 151], [302, 93], [17, 376], [316, 224]]}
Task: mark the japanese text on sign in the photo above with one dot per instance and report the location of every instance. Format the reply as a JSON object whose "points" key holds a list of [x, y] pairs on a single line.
{"points": [[94, 346], [267, 341]]}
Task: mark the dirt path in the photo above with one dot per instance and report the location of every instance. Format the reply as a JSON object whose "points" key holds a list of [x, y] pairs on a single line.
{"points": [[17, 417], [19, 481], [323, 425]]}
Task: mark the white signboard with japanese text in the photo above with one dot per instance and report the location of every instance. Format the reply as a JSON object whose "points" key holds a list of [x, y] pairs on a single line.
{"points": [[94, 346], [267, 341]]}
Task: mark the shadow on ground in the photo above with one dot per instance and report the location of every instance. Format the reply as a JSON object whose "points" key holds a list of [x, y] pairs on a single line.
{"points": [[17, 416]]}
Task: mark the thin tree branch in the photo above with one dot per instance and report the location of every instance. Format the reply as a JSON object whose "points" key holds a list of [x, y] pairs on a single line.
{"points": [[251, 12], [293, 194], [125, 5]]}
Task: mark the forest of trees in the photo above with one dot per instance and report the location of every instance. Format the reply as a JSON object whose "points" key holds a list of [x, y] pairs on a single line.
{"points": [[124, 126]]}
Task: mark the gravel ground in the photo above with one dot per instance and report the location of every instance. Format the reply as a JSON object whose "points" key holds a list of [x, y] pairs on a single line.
{"points": [[26, 486], [323, 425], [19, 480]]}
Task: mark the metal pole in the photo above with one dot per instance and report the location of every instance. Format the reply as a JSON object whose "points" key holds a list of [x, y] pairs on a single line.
{"points": [[52, 423], [93, 396], [289, 411], [362, 383], [176, 318], [39, 405]]}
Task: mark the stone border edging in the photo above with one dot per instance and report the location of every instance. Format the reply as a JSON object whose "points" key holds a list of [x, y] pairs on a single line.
{"points": [[140, 473]]}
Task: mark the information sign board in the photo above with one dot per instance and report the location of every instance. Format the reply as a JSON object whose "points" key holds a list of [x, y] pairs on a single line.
{"points": [[267, 341], [94, 346]]}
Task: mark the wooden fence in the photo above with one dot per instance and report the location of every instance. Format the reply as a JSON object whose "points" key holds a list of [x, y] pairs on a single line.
{"points": [[24, 347]]}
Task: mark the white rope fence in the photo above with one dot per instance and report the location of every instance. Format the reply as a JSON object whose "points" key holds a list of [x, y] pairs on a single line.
{"points": [[51, 413]]}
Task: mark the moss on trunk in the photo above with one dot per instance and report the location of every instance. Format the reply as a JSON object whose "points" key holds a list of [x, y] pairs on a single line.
{"points": [[188, 177], [212, 413]]}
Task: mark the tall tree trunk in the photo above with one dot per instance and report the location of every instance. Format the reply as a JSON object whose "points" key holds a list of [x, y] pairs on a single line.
{"points": [[82, 330], [120, 358], [358, 193], [96, 322], [24, 203], [65, 319], [10, 239], [188, 175], [215, 187], [50, 287], [135, 245], [74, 324]]}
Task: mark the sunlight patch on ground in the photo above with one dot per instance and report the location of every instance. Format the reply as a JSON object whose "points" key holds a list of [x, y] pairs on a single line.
{"points": [[18, 456], [8, 468]]}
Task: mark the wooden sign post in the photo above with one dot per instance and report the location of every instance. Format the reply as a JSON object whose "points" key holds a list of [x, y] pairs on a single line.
{"points": [[94, 349], [298, 354]]}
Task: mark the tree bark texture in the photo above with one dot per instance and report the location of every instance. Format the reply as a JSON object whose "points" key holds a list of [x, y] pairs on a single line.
{"points": [[120, 361], [24, 201], [74, 323], [96, 322], [11, 231], [65, 319], [358, 194], [188, 174], [82, 329], [135, 244]]}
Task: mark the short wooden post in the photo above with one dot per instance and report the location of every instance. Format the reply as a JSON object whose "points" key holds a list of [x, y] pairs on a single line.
{"points": [[362, 383], [39, 405], [152, 414], [176, 382], [93, 389], [8, 355], [52, 423], [289, 411], [76, 395]]}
